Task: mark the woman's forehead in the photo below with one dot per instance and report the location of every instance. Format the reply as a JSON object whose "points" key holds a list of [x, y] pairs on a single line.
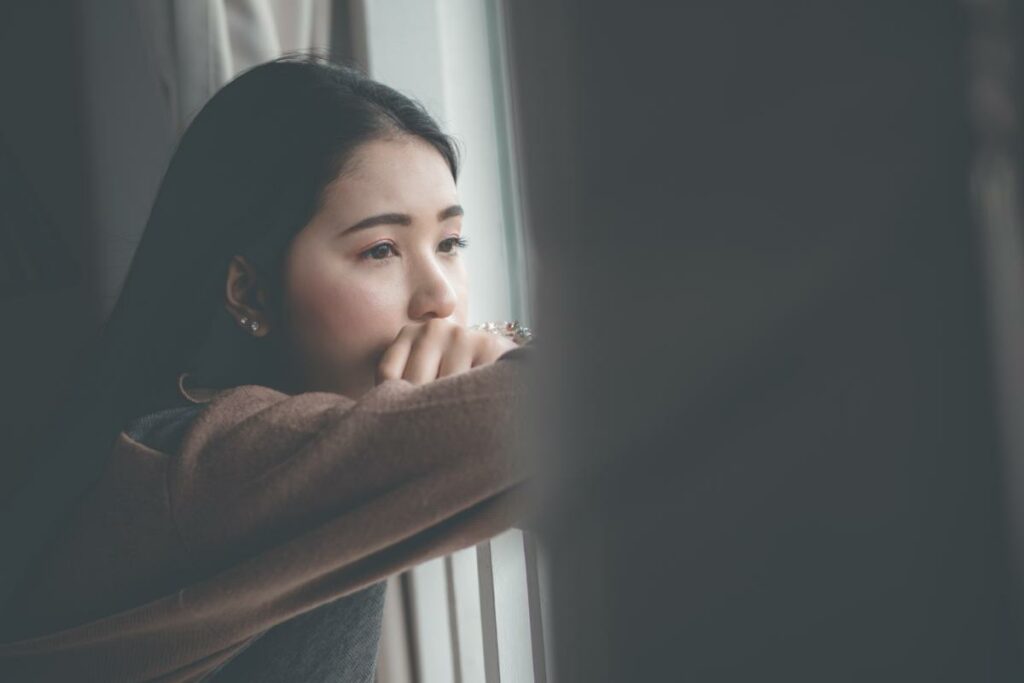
{"points": [[404, 174]]}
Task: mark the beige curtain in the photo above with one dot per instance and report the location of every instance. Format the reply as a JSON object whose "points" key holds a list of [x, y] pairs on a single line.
{"points": [[199, 45], [148, 67]]}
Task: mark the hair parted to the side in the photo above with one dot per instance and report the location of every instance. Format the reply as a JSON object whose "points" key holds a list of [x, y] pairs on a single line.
{"points": [[283, 130], [247, 175]]}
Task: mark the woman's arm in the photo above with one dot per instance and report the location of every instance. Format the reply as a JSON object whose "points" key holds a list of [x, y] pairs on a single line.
{"points": [[402, 466]]}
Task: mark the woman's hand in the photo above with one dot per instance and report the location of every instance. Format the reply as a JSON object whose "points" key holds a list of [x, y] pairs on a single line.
{"points": [[423, 352]]}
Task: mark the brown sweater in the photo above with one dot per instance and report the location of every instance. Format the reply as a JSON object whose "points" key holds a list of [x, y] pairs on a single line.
{"points": [[273, 505]]}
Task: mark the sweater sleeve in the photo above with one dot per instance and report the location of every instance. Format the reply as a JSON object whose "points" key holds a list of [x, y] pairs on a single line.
{"points": [[369, 486]]}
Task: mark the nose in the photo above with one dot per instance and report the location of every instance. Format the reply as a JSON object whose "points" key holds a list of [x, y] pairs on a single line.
{"points": [[432, 295]]}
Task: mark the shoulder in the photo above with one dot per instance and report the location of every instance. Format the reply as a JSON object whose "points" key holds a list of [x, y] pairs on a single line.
{"points": [[163, 430]]}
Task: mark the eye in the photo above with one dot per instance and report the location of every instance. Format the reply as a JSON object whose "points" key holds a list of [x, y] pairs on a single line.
{"points": [[380, 252], [374, 253], [455, 242]]}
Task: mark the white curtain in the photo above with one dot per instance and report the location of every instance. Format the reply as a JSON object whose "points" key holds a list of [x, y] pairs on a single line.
{"points": [[148, 66], [199, 45]]}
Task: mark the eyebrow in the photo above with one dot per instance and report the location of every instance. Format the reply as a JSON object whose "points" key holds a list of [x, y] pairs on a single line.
{"points": [[400, 219]]}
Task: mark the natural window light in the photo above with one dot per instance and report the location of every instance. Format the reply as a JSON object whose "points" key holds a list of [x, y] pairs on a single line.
{"points": [[476, 615]]}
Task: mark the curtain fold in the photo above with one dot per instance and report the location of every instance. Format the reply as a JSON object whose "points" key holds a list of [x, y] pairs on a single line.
{"points": [[197, 47]]}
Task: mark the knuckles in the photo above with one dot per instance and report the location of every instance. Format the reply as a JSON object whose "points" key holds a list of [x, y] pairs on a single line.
{"points": [[486, 346]]}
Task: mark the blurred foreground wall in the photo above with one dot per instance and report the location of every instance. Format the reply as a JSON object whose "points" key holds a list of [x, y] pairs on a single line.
{"points": [[771, 416]]}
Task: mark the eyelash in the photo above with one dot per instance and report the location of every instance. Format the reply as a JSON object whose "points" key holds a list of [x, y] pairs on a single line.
{"points": [[457, 242]]}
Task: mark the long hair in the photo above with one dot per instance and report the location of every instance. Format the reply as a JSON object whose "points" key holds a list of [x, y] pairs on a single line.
{"points": [[247, 175]]}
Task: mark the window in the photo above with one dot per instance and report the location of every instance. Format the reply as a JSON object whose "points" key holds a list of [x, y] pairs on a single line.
{"points": [[476, 615]]}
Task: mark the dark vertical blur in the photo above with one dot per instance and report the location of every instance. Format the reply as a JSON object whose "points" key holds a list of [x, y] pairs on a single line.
{"points": [[770, 420], [48, 302]]}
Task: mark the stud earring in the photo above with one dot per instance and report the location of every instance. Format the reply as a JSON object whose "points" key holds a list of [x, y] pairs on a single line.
{"points": [[254, 325]]}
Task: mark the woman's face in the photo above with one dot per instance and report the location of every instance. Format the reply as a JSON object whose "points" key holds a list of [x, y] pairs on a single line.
{"points": [[382, 253]]}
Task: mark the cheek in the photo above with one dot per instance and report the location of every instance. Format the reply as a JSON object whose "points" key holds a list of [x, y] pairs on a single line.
{"points": [[334, 314]]}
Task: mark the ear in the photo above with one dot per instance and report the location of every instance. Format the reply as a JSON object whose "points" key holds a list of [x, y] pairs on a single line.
{"points": [[245, 296]]}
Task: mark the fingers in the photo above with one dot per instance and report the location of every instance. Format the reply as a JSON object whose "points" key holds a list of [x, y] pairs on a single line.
{"points": [[424, 352], [460, 354], [490, 348], [425, 357], [416, 353], [393, 361]]}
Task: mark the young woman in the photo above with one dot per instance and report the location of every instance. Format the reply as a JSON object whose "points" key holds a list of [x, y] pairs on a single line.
{"points": [[285, 407]]}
